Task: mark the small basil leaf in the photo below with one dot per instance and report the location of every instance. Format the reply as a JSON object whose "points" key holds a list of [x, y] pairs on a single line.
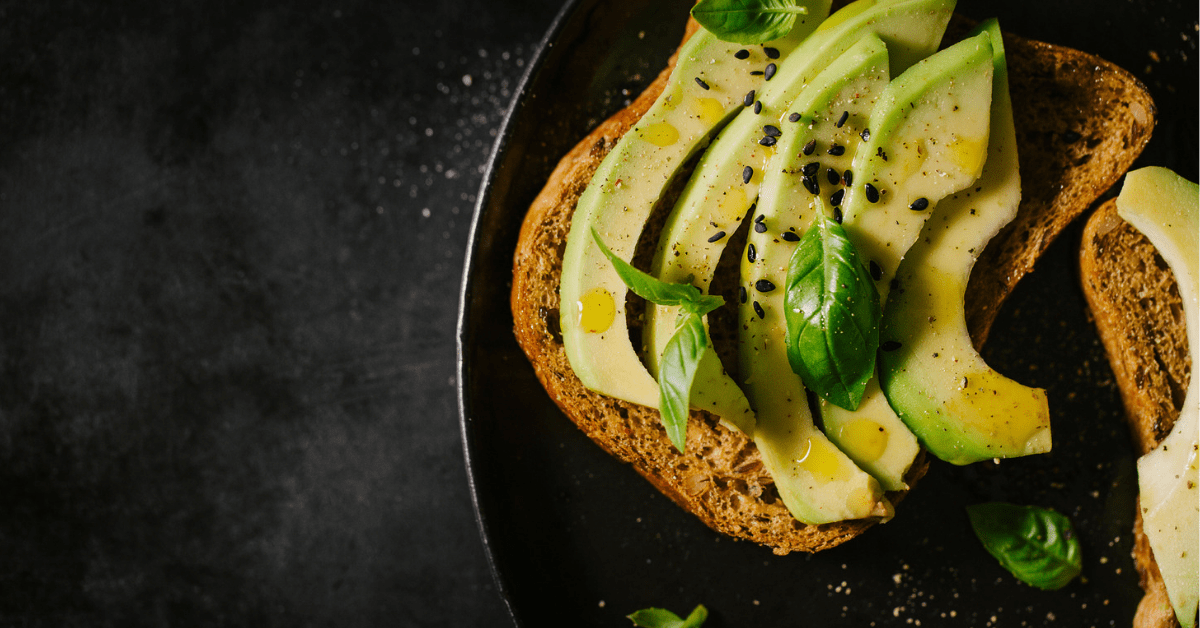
{"points": [[1037, 545], [662, 618], [833, 314], [748, 21], [646, 286], [704, 304], [676, 373]]}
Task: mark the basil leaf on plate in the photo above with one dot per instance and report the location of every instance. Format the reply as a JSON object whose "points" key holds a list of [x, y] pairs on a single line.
{"points": [[747, 21], [682, 354], [662, 618], [833, 315], [1037, 545]]}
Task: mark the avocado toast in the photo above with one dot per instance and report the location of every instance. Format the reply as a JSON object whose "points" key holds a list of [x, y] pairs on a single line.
{"points": [[721, 477]]}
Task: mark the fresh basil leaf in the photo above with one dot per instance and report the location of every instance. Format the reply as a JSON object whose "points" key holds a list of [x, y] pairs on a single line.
{"points": [[676, 373], [748, 21], [1037, 545], [646, 286], [833, 314], [662, 618]]}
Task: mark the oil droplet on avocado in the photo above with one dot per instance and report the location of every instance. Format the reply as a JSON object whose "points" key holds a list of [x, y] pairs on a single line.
{"points": [[708, 110], [968, 153], [661, 134], [596, 310], [999, 407], [867, 438], [732, 205], [820, 460]]}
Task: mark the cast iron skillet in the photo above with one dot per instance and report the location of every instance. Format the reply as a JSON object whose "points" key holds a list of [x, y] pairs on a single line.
{"points": [[577, 538]]}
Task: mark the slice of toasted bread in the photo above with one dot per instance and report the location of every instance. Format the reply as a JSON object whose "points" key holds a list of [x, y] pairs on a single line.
{"points": [[1138, 313], [1070, 155]]}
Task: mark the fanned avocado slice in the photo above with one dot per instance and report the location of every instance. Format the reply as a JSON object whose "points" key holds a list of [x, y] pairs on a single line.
{"points": [[816, 480], [706, 87], [719, 193], [962, 410], [928, 138]]}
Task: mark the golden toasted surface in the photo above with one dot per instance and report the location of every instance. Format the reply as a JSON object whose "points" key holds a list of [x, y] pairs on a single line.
{"points": [[720, 478], [1135, 304]]}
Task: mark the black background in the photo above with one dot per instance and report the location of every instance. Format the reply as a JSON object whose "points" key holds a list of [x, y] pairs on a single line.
{"points": [[231, 241]]}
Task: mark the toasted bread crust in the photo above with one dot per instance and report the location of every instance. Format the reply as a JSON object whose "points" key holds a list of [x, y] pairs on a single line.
{"points": [[720, 478], [1135, 304]]}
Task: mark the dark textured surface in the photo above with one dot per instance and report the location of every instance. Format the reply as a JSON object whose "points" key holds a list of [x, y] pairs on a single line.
{"points": [[231, 237]]}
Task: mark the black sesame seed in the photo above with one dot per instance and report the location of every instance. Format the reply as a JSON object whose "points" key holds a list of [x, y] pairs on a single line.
{"points": [[758, 107], [894, 284], [872, 193], [749, 99], [835, 199], [842, 120], [876, 271], [742, 54], [795, 117], [770, 71], [809, 147], [742, 294], [760, 227], [761, 217], [747, 173], [751, 252], [772, 53], [717, 236], [837, 215], [812, 168], [836, 149], [772, 130], [758, 310], [701, 83], [919, 205], [866, 134], [847, 177], [833, 176], [767, 141], [881, 153], [756, 73], [790, 236], [810, 184], [889, 345], [764, 285]]}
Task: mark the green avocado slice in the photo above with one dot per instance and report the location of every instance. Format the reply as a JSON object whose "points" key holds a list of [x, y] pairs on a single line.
{"points": [[718, 195], [706, 87], [928, 138], [815, 479], [962, 410]]}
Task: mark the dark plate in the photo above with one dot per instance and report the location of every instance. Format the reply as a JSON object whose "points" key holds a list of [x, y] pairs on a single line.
{"points": [[577, 538]]}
